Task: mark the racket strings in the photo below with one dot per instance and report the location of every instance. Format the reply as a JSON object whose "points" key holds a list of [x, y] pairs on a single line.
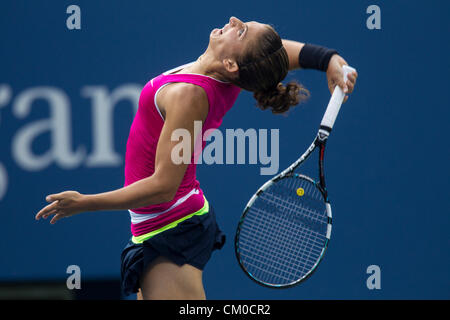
{"points": [[288, 271], [283, 235], [310, 204], [290, 206], [263, 246], [309, 243], [286, 237]]}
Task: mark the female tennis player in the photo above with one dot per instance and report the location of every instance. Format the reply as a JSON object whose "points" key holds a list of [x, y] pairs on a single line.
{"points": [[174, 230]]}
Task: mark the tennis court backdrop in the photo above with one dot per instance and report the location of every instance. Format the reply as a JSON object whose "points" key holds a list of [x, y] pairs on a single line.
{"points": [[68, 96]]}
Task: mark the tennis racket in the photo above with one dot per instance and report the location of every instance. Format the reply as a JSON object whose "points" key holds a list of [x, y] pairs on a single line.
{"points": [[285, 228]]}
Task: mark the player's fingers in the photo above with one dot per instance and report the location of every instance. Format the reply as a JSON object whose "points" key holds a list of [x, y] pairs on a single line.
{"points": [[56, 218], [350, 86], [351, 81], [341, 83], [56, 196], [352, 76], [345, 99], [46, 215], [52, 206]]}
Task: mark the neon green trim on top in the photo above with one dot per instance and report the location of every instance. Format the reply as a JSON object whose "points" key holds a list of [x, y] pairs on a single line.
{"points": [[171, 225]]}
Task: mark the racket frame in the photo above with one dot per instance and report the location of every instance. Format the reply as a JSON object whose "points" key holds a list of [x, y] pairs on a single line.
{"points": [[326, 126], [319, 142]]}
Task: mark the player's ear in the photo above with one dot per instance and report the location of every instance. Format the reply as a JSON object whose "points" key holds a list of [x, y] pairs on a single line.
{"points": [[230, 65]]}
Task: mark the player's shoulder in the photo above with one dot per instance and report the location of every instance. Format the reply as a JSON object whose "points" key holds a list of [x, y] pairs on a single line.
{"points": [[184, 97], [185, 93]]}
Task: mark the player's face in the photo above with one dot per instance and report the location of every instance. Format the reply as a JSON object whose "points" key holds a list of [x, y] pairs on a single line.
{"points": [[235, 38]]}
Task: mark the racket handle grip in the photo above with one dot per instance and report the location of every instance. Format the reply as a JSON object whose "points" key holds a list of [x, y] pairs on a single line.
{"points": [[335, 103]]}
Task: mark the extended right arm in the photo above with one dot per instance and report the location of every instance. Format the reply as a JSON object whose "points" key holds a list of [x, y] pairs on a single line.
{"points": [[183, 104]]}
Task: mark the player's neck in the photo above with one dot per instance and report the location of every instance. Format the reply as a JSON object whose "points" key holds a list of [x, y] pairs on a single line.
{"points": [[207, 65]]}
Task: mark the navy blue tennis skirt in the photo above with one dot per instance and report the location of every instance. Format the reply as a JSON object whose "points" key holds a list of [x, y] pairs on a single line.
{"points": [[190, 242]]}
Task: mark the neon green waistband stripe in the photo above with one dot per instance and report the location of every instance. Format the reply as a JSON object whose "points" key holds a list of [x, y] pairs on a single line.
{"points": [[171, 225]]}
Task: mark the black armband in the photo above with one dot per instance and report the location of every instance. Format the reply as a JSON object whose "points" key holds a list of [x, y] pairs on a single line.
{"points": [[315, 57]]}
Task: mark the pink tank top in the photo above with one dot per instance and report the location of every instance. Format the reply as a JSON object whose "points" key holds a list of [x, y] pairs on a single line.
{"points": [[143, 139]]}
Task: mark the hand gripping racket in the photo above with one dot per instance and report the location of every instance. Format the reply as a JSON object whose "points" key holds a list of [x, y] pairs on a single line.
{"points": [[285, 228]]}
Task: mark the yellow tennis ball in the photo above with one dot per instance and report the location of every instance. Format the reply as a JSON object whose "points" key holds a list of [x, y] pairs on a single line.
{"points": [[300, 192]]}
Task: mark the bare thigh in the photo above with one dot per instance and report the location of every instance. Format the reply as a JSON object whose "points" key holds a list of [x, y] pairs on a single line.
{"points": [[165, 280]]}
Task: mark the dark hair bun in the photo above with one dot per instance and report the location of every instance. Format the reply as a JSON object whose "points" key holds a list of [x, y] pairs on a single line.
{"points": [[281, 98]]}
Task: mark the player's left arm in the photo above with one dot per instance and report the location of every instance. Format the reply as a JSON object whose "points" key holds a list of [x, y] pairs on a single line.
{"points": [[334, 71]]}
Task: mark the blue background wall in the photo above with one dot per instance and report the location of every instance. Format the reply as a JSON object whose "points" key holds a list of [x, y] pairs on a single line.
{"points": [[386, 161]]}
